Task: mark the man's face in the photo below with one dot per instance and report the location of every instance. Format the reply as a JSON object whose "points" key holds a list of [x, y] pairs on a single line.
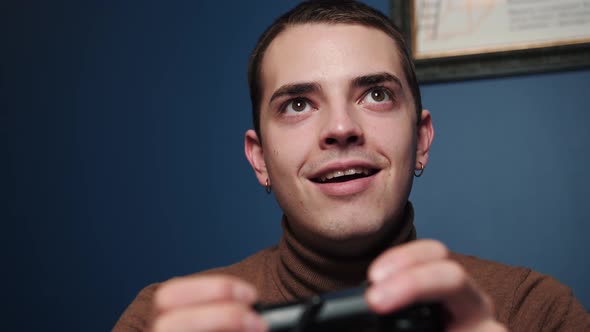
{"points": [[339, 136]]}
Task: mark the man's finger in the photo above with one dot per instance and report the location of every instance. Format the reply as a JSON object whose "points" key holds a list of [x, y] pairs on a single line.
{"points": [[220, 316], [196, 290], [445, 281], [405, 256]]}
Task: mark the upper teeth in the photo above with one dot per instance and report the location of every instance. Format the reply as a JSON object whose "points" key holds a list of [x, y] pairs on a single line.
{"points": [[348, 171]]}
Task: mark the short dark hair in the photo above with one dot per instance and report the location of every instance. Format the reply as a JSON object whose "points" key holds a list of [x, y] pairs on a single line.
{"points": [[330, 12]]}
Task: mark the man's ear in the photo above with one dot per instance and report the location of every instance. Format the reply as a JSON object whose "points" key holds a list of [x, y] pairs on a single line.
{"points": [[255, 156], [425, 137]]}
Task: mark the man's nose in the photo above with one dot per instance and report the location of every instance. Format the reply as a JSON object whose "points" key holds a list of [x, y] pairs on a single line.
{"points": [[341, 128]]}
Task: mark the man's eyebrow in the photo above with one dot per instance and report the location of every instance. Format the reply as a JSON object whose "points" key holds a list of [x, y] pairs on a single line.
{"points": [[372, 79], [295, 89]]}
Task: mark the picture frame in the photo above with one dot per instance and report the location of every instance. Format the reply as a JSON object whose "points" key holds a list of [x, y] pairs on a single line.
{"points": [[511, 58]]}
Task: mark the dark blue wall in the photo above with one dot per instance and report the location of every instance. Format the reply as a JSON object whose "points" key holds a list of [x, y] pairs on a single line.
{"points": [[121, 136]]}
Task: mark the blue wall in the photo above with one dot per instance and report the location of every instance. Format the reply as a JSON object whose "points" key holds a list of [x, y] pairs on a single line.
{"points": [[121, 135]]}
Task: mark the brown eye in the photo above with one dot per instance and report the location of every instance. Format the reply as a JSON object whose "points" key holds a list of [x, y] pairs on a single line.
{"points": [[297, 105], [377, 95]]}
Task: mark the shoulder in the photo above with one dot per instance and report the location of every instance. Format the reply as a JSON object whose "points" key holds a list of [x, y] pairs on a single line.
{"points": [[526, 299], [498, 280], [490, 274], [247, 269], [139, 314]]}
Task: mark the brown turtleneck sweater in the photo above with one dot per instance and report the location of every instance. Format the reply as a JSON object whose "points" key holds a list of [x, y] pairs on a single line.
{"points": [[524, 299]]}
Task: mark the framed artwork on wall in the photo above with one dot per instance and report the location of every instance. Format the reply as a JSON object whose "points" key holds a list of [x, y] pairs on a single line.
{"points": [[467, 39]]}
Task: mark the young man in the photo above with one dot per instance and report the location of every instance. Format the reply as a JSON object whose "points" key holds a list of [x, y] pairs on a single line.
{"points": [[339, 134]]}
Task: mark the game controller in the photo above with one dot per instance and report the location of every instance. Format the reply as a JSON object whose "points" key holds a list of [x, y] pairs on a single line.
{"points": [[348, 311]]}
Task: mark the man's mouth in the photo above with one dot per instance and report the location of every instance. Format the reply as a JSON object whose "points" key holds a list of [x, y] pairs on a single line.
{"points": [[344, 175]]}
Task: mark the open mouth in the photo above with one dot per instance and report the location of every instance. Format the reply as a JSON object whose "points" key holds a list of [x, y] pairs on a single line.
{"points": [[344, 175]]}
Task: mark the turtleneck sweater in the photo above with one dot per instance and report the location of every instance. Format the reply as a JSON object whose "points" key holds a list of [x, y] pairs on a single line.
{"points": [[524, 299], [295, 271]]}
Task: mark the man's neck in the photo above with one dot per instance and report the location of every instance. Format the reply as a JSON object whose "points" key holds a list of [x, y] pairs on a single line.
{"points": [[368, 244], [303, 270]]}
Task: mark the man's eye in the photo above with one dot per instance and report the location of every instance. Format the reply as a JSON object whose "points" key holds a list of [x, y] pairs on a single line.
{"points": [[297, 105], [377, 96]]}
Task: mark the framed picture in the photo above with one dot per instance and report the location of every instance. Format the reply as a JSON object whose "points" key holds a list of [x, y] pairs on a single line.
{"points": [[467, 39]]}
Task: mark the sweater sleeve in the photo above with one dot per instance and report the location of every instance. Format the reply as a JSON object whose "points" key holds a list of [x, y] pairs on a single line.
{"points": [[541, 303], [138, 315]]}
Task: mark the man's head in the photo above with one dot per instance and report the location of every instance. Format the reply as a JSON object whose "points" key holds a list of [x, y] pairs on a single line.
{"points": [[340, 127], [328, 12]]}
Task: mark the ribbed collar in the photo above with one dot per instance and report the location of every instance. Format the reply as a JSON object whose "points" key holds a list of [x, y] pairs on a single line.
{"points": [[299, 272]]}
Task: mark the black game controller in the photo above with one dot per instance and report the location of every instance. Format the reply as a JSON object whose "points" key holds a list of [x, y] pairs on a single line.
{"points": [[348, 311]]}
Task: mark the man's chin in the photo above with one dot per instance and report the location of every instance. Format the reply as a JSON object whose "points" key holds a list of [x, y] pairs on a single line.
{"points": [[347, 236]]}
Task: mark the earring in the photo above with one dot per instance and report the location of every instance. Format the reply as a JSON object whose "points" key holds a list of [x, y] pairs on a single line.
{"points": [[268, 187], [420, 170]]}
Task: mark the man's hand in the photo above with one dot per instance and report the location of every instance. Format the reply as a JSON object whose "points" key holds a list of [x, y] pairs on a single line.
{"points": [[422, 271], [206, 303]]}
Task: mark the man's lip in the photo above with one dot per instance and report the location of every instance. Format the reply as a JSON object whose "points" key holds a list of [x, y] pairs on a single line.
{"points": [[347, 188], [342, 166]]}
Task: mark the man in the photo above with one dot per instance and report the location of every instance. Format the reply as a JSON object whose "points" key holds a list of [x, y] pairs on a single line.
{"points": [[339, 134]]}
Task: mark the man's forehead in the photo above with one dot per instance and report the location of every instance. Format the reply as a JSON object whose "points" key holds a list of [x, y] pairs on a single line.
{"points": [[328, 53]]}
